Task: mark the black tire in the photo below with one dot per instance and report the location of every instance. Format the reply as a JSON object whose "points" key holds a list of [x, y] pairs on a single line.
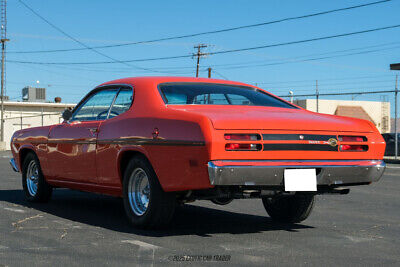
{"points": [[222, 201], [161, 205], [43, 190], [289, 209]]}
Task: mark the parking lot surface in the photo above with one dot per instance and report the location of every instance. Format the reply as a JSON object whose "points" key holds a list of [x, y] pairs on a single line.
{"points": [[76, 228]]}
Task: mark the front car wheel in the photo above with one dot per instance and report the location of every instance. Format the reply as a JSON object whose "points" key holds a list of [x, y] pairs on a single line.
{"points": [[35, 186]]}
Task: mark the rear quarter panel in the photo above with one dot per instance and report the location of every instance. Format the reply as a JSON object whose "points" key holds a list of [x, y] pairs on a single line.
{"points": [[179, 154]]}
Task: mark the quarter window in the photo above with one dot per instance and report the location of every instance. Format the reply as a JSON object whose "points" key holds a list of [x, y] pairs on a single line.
{"points": [[122, 102], [96, 107]]}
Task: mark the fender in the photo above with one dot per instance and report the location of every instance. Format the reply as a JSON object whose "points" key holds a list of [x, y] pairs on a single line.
{"points": [[125, 149]]}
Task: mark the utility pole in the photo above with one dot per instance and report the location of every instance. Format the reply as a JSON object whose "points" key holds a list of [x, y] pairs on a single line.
{"points": [[3, 48], [199, 55], [209, 72], [396, 138], [317, 94]]}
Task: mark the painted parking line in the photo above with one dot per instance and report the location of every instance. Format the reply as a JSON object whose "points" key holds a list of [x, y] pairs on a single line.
{"points": [[15, 210], [143, 245], [392, 167]]}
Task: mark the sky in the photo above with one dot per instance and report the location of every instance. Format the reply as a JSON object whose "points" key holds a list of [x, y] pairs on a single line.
{"points": [[100, 22]]}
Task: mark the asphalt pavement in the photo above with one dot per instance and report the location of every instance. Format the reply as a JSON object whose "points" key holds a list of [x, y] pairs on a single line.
{"points": [[83, 229]]}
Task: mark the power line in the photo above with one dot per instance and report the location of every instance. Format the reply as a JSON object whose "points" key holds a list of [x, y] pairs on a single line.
{"points": [[310, 59], [345, 93], [304, 41], [332, 79], [254, 63], [210, 32], [217, 52], [79, 42], [241, 64], [322, 85], [219, 74]]}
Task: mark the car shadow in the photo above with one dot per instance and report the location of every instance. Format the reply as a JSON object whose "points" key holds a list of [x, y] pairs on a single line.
{"points": [[107, 212]]}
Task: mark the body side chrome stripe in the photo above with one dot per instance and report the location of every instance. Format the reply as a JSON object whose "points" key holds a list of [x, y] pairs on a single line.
{"points": [[295, 137], [126, 141]]}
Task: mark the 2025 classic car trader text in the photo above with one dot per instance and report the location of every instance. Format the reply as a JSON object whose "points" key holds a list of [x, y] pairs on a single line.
{"points": [[159, 141]]}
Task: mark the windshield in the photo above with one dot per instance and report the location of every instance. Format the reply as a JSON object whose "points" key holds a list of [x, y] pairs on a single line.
{"points": [[217, 94]]}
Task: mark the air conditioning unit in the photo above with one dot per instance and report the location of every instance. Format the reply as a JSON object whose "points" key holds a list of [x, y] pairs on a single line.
{"points": [[33, 94]]}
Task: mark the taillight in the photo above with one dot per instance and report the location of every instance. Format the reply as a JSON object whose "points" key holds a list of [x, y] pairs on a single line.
{"points": [[353, 148], [243, 137], [243, 147], [348, 138]]}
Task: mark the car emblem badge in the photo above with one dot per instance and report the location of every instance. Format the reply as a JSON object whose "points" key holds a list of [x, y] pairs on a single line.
{"points": [[301, 137], [333, 142]]}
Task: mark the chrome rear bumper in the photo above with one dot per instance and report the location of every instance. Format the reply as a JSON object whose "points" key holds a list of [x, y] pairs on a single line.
{"points": [[270, 172], [14, 165]]}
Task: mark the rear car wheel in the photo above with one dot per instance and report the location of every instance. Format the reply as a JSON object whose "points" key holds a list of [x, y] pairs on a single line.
{"points": [[35, 186], [145, 202], [289, 209]]}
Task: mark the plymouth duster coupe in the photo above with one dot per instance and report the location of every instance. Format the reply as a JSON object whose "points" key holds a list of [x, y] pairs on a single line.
{"points": [[162, 141]]}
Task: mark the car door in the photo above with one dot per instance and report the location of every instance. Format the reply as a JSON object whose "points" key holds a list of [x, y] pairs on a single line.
{"points": [[72, 144]]}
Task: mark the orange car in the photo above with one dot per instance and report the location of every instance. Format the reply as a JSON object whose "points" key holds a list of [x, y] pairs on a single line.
{"points": [[159, 141]]}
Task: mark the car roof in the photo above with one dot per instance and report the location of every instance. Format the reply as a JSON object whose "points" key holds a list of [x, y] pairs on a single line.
{"points": [[166, 79]]}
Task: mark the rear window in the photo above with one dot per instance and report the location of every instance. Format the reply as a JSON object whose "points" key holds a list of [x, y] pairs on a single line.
{"points": [[217, 94]]}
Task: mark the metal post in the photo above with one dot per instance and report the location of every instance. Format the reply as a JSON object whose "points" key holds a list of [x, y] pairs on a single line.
{"points": [[42, 116], [396, 148], [2, 92], [4, 39], [2, 88], [317, 94]]}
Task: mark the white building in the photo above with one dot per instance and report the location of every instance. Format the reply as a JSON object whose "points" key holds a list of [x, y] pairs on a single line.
{"points": [[376, 112], [20, 115]]}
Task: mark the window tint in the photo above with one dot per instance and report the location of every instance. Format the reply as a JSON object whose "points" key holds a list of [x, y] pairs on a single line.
{"points": [[122, 102], [217, 94], [211, 99], [96, 107]]}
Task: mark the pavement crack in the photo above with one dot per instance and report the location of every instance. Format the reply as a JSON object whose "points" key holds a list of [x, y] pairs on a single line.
{"points": [[17, 224], [64, 234]]}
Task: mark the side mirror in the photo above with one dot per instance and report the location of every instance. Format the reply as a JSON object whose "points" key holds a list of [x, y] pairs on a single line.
{"points": [[67, 114]]}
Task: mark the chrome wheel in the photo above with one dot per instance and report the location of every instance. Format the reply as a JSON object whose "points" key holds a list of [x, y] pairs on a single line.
{"points": [[139, 191], [32, 178]]}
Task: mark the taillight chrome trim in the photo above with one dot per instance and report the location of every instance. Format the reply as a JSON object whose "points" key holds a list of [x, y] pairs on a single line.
{"points": [[353, 148], [243, 147], [241, 137], [342, 138]]}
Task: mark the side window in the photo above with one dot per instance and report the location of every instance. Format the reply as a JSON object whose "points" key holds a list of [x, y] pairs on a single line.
{"points": [[122, 102], [96, 107]]}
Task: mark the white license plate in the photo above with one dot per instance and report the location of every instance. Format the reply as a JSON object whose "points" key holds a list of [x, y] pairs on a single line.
{"points": [[300, 180]]}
